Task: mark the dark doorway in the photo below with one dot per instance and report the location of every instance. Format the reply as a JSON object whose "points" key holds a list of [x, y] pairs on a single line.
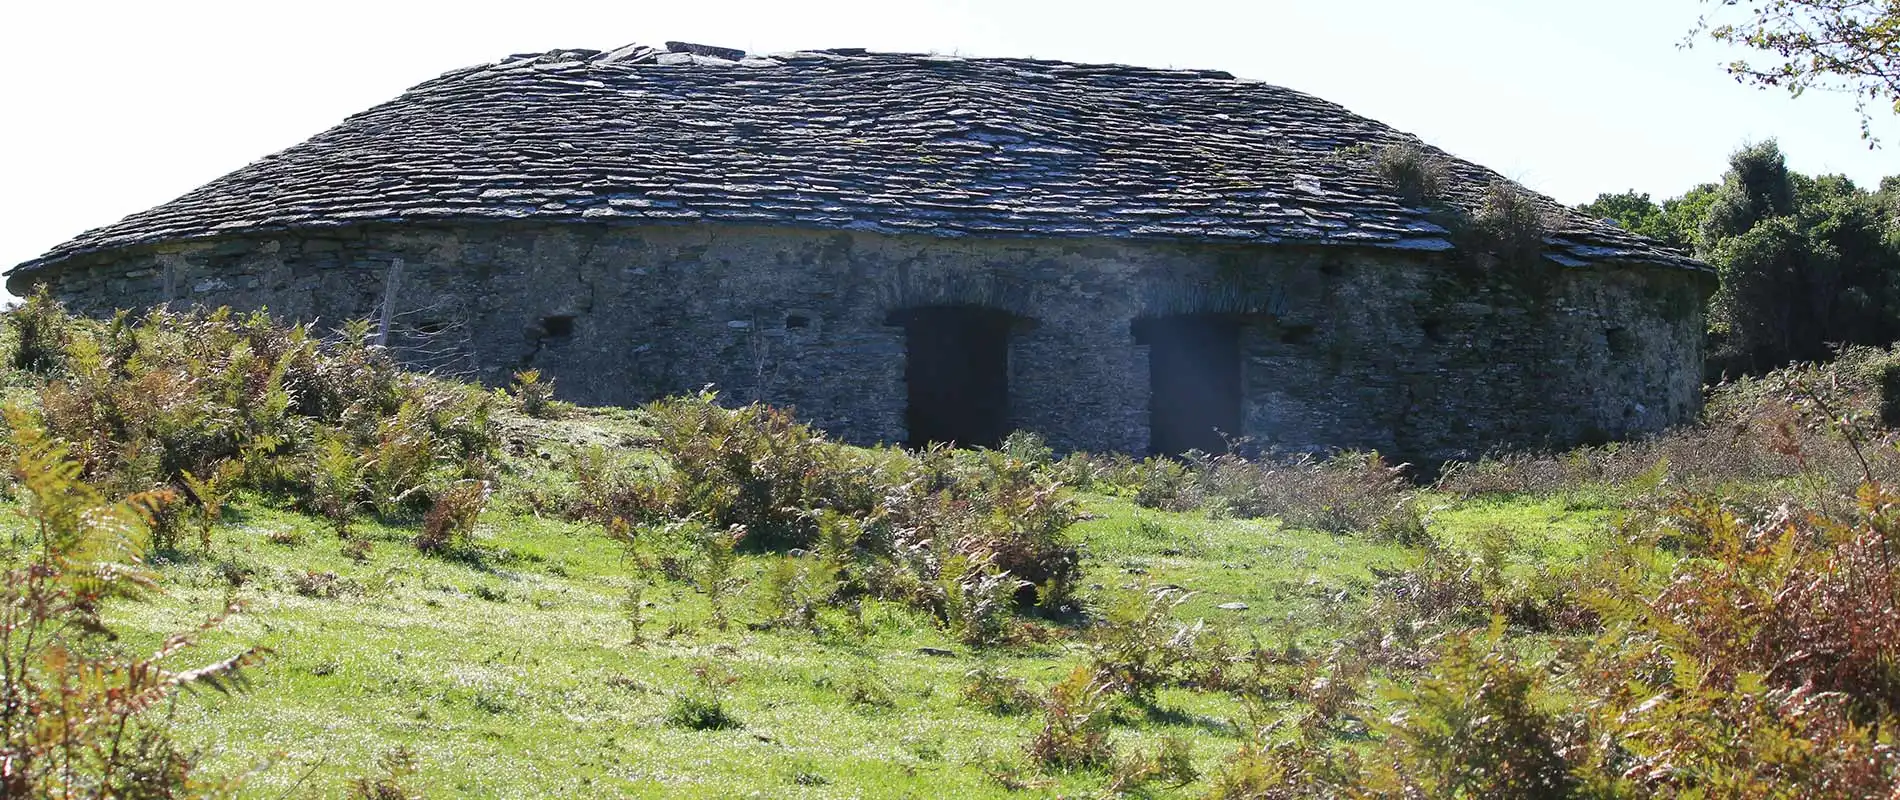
{"points": [[957, 371], [1193, 381]]}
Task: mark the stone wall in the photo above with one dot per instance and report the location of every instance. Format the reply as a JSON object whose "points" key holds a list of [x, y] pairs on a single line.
{"points": [[1421, 355]]}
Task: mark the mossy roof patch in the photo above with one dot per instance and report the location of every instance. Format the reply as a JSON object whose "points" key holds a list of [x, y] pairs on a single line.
{"points": [[853, 140]]}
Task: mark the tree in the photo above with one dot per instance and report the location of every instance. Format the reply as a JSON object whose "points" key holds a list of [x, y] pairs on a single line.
{"points": [[1850, 46], [1677, 222], [1683, 216], [1631, 210], [1805, 263], [1757, 187]]}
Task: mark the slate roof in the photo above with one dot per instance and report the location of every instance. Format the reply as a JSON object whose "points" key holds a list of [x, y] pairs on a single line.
{"points": [[848, 139]]}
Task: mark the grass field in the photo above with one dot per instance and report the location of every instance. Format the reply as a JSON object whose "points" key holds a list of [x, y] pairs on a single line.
{"points": [[510, 671], [463, 592]]}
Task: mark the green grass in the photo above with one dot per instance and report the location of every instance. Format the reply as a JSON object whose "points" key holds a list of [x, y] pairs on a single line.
{"points": [[1539, 529], [510, 673]]}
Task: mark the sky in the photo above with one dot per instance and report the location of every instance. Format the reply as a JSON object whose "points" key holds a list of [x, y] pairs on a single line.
{"points": [[111, 108]]}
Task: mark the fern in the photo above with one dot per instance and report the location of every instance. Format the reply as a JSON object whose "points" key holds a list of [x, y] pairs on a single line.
{"points": [[78, 720]]}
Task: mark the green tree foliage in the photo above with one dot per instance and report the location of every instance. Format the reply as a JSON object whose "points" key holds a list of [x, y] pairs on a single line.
{"points": [[1806, 263], [1677, 222], [1633, 211], [1848, 46]]}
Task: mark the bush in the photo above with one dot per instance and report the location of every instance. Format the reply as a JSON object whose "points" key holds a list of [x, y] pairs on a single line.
{"points": [[755, 467], [970, 535], [1477, 726], [1139, 647], [208, 403], [1284, 771], [1171, 764], [703, 708], [1791, 601], [997, 692], [533, 395], [1761, 666], [1352, 492], [1166, 485], [717, 552], [1510, 224], [451, 519], [976, 601], [1815, 429], [41, 333], [1016, 522], [78, 719], [1412, 171], [1075, 721]]}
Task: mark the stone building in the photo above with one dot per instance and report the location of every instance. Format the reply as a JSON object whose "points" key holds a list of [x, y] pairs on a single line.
{"points": [[913, 248]]}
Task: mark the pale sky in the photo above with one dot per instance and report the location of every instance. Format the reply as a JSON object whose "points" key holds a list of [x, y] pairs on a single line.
{"points": [[111, 108]]}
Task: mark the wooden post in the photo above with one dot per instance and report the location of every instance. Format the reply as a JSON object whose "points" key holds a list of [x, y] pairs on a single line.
{"points": [[390, 281]]}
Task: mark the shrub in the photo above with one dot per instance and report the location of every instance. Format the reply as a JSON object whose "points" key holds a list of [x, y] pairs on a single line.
{"points": [[1412, 171], [1477, 727], [605, 491], [997, 692], [1171, 764], [41, 332], [451, 518], [1356, 492], [1352, 492], [1509, 223], [717, 551], [1075, 721], [1139, 647], [794, 592], [703, 708], [1817, 426], [886, 523], [1027, 447], [336, 481], [756, 467], [1760, 666], [533, 395], [976, 601], [1284, 771], [209, 496], [1792, 601], [399, 461], [78, 719], [212, 402], [1165, 484], [394, 769], [1019, 524]]}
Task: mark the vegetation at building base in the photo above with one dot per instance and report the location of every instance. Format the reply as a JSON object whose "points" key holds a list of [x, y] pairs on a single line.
{"points": [[455, 592]]}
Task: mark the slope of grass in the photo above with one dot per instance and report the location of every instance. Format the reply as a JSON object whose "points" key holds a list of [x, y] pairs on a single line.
{"points": [[509, 671]]}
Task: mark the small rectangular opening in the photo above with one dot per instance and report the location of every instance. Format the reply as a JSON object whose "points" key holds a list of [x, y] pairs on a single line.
{"points": [[956, 374], [1194, 400], [559, 326]]}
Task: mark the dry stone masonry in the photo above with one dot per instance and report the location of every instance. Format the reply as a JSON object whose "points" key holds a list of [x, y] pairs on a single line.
{"points": [[913, 248]]}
